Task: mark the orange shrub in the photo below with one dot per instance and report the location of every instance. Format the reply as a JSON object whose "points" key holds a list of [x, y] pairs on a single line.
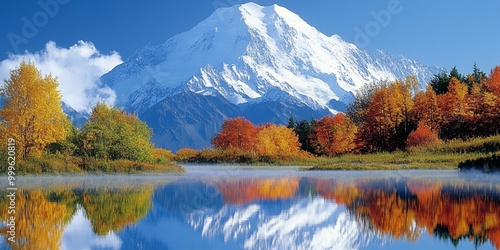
{"points": [[236, 133], [186, 154], [277, 141], [334, 135], [422, 136], [162, 155]]}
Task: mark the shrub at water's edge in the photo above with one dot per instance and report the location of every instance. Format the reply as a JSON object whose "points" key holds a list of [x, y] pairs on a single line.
{"points": [[455, 154], [237, 156], [487, 164], [45, 141], [51, 164], [390, 125]]}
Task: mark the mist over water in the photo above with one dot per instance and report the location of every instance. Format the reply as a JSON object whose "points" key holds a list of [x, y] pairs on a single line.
{"points": [[241, 207]]}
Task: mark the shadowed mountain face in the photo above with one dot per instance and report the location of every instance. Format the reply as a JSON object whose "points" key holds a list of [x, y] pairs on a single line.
{"points": [[187, 119], [77, 118], [264, 63]]}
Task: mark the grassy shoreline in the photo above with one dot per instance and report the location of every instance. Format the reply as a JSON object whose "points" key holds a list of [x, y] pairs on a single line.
{"points": [[478, 153], [447, 155], [397, 161], [54, 165]]}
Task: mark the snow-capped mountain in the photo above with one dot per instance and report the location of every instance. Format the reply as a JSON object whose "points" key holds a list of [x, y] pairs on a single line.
{"points": [[204, 221], [264, 63], [74, 116]]}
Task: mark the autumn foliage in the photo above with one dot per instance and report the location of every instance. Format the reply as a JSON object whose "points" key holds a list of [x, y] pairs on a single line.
{"points": [[493, 82], [46, 140], [43, 215], [112, 210], [464, 107], [32, 114], [247, 190], [422, 136], [113, 134], [236, 133], [242, 138], [388, 120], [276, 140], [334, 135], [39, 222], [400, 209], [385, 116]]}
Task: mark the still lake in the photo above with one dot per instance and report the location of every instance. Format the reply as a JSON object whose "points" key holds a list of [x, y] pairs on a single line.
{"points": [[235, 207]]}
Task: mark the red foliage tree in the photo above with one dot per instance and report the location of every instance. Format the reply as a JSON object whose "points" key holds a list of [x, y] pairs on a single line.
{"points": [[236, 133], [334, 135], [493, 82], [453, 109], [492, 101], [422, 136]]}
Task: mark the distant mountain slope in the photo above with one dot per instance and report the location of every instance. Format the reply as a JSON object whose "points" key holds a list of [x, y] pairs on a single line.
{"points": [[265, 61], [77, 118]]}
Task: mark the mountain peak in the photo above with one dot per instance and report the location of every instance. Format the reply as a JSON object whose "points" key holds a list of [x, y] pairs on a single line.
{"points": [[256, 15], [252, 55]]}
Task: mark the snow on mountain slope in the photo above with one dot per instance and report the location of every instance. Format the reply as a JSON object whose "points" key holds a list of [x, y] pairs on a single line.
{"points": [[247, 53], [262, 63], [302, 223]]}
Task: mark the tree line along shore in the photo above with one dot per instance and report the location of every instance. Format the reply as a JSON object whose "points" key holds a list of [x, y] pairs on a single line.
{"points": [[453, 123]]}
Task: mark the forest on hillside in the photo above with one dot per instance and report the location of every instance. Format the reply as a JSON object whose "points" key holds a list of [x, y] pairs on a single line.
{"points": [[386, 116]]}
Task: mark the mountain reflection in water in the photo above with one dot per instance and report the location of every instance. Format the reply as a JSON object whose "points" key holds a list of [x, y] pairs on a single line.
{"points": [[297, 212]]}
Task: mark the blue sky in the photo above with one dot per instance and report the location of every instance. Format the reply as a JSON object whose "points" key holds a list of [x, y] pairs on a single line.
{"points": [[443, 33]]}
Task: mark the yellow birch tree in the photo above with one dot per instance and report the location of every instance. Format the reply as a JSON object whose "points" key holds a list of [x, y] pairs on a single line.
{"points": [[32, 113]]}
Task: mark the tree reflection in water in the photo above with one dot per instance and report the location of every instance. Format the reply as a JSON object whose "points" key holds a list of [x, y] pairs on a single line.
{"points": [[407, 207], [399, 208], [41, 216]]}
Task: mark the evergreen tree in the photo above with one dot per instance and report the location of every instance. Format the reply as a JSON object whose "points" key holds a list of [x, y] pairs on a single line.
{"points": [[304, 130], [291, 123], [441, 81], [477, 77]]}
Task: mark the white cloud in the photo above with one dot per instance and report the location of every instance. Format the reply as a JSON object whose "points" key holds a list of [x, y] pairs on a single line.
{"points": [[78, 234], [78, 69]]}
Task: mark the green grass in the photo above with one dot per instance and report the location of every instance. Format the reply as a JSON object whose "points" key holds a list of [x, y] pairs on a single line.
{"points": [[70, 165], [485, 145], [446, 155], [99, 166], [235, 156], [48, 165]]}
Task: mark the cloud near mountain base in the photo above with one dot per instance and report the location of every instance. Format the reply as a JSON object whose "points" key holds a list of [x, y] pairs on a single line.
{"points": [[77, 68]]}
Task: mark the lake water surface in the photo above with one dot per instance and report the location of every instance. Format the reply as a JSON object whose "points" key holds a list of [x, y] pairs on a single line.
{"points": [[234, 207]]}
